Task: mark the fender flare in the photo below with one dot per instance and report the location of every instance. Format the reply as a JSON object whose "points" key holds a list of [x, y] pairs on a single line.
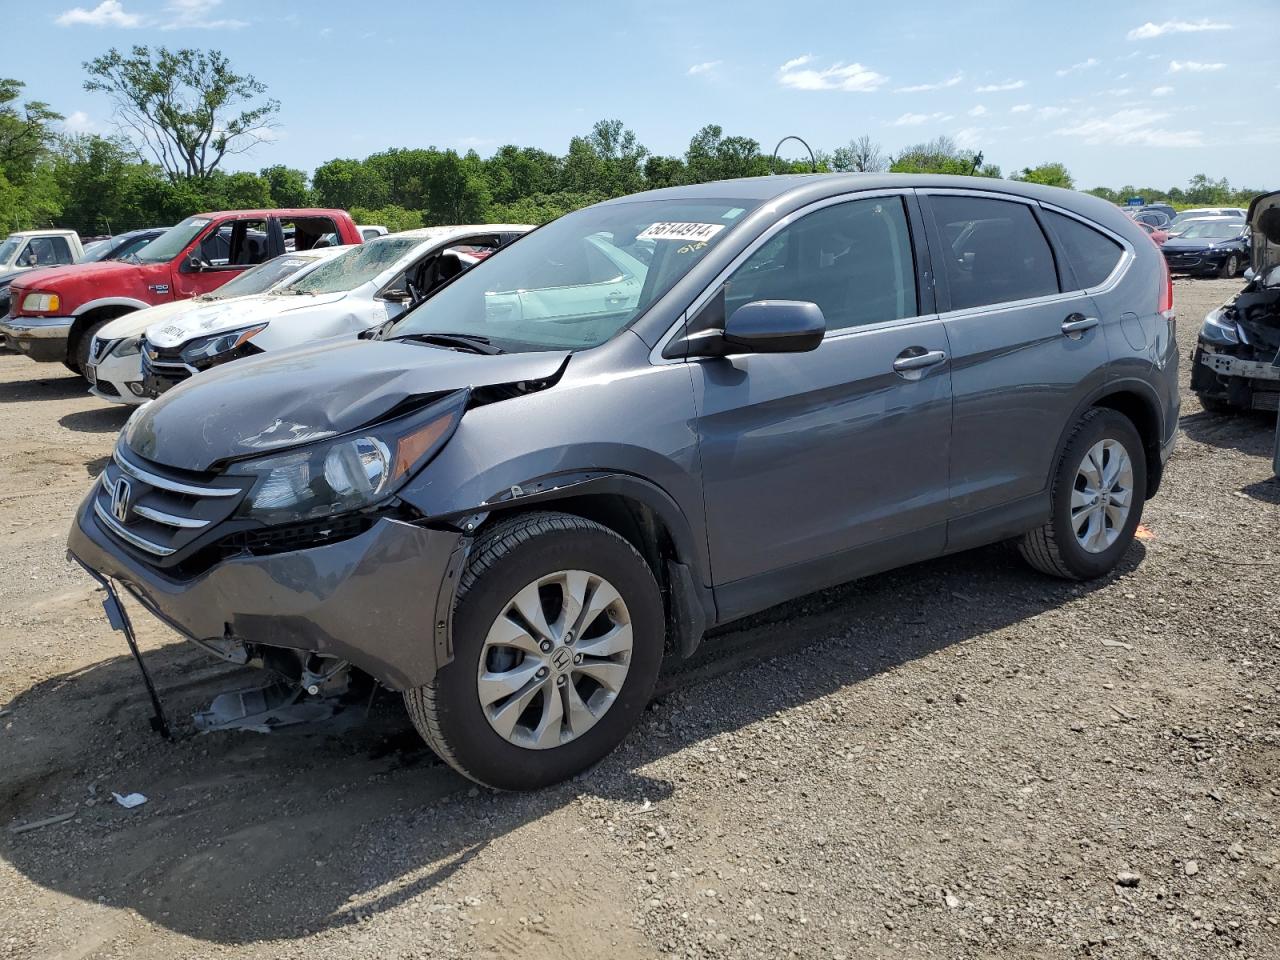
{"points": [[129, 302]]}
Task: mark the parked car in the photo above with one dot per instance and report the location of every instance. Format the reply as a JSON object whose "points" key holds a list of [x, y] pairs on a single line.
{"points": [[121, 246], [513, 517], [114, 370], [54, 314], [372, 232], [365, 287], [1234, 364], [1187, 217], [1152, 218], [33, 249], [1213, 246]]}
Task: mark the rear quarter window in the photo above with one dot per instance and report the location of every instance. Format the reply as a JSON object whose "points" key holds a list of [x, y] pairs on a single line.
{"points": [[995, 251], [1092, 254]]}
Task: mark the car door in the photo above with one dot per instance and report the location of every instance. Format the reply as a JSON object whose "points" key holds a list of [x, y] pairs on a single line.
{"points": [[824, 465], [1024, 353]]}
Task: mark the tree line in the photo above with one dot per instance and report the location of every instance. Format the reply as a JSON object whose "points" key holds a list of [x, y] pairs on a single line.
{"points": [[182, 114]]}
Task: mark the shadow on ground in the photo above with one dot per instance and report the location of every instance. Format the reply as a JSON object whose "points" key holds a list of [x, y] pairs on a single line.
{"points": [[248, 838], [99, 420], [1246, 432], [63, 387]]}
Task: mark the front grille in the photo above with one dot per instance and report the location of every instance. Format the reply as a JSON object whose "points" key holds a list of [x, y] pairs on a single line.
{"points": [[161, 372], [98, 349], [295, 536], [106, 389], [156, 512]]}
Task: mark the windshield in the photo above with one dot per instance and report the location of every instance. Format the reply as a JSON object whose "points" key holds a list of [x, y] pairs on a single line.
{"points": [[1212, 229], [358, 265], [579, 280], [173, 241], [8, 247], [262, 278]]}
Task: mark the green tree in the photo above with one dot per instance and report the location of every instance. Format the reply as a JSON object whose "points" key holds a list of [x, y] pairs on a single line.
{"points": [[187, 108], [286, 186], [862, 155], [941, 155], [1049, 174], [350, 183]]}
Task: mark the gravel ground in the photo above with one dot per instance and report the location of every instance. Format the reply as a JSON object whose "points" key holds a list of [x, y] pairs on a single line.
{"points": [[960, 759]]}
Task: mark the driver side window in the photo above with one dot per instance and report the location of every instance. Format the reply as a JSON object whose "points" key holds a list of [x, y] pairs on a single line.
{"points": [[853, 259]]}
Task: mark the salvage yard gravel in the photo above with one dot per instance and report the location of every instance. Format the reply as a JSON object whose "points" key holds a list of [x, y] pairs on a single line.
{"points": [[962, 759]]}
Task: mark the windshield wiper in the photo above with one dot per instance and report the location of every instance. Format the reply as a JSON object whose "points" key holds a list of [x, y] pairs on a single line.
{"points": [[457, 341]]}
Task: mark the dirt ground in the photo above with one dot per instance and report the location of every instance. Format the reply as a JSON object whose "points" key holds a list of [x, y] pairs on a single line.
{"points": [[954, 760]]}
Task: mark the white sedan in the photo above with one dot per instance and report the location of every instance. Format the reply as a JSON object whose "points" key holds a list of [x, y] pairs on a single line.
{"points": [[115, 363], [362, 287]]}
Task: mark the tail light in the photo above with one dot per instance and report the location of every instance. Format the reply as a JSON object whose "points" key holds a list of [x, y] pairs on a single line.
{"points": [[1165, 305]]}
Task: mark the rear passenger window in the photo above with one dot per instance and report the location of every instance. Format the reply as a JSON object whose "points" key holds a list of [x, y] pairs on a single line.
{"points": [[1092, 255], [852, 259], [996, 251]]}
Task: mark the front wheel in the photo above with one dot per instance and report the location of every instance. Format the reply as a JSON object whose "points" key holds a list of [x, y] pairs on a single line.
{"points": [[1099, 489], [558, 634], [1230, 268]]}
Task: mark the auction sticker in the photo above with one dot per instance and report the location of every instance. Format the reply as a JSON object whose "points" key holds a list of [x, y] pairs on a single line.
{"points": [[681, 231]]}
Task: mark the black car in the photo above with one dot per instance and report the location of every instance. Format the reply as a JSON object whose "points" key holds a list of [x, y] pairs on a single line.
{"points": [[1215, 246]]}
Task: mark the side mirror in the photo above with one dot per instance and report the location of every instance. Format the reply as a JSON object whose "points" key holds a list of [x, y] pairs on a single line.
{"points": [[1249, 274], [194, 264], [764, 326]]}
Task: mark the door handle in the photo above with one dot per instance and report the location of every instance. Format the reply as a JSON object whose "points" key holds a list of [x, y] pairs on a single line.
{"points": [[1076, 324], [911, 366]]}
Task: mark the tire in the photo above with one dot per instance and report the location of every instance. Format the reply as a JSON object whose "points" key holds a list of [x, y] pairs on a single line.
{"points": [[507, 561], [78, 356], [1230, 267], [1214, 404], [1055, 548]]}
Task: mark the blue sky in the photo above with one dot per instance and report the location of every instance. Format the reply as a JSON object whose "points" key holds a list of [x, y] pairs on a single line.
{"points": [[1143, 92]]}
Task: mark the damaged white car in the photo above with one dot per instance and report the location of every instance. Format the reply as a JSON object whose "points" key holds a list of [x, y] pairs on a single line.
{"points": [[1237, 356], [114, 370], [362, 287]]}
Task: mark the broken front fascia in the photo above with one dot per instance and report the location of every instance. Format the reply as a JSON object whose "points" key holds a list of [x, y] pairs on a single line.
{"points": [[1237, 358]]}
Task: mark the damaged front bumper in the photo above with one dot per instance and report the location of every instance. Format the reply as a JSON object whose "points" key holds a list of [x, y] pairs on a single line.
{"points": [[381, 600], [1248, 384]]}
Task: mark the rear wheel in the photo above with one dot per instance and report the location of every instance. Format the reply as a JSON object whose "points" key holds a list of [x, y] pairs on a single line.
{"points": [[1099, 490], [558, 635]]}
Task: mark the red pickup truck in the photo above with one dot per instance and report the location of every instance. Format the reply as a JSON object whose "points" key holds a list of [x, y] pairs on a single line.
{"points": [[54, 313]]}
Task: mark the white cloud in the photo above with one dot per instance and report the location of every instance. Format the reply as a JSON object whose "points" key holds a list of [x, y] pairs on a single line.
{"points": [[968, 138], [1161, 91], [109, 13], [1077, 67], [925, 87], [1000, 87], [1048, 113], [916, 119], [78, 122], [850, 77], [1194, 66], [699, 68], [194, 15], [1120, 91], [978, 111], [1131, 128], [1149, 30], [1020, 108]]}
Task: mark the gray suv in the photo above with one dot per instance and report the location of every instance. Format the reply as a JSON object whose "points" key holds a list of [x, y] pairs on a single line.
{"points": [[652, 416]]}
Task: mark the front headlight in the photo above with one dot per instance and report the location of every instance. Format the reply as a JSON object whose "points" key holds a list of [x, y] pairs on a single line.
{"points": [[216, 347], [128, 347], [1218, 328], [41, 302], [349, 472]]}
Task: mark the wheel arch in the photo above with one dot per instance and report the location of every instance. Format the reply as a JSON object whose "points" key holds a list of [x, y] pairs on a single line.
{"points": [[106, 308], [1137, 401]]}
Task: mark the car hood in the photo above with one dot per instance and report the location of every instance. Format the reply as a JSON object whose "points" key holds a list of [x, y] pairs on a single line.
{"points": [[283, 399], [100, 272], [218, 316], [133, 324], [1192, 243], [1264, 225]]}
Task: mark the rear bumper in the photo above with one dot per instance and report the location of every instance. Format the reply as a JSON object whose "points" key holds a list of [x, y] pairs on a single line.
{"points": [[40, 338], [381, 600]]}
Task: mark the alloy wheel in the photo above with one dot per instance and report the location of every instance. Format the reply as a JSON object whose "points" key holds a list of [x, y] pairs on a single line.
{"points": [[555, 659], [1102, 496]]}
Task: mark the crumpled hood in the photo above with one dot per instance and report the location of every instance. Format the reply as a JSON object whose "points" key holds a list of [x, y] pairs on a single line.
{"points": [[133, 324], [222, 315], [291, 397]]}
